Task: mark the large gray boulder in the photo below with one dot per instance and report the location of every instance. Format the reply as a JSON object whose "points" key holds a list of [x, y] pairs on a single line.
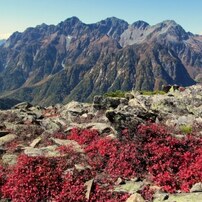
{"points": [[101, 102]]}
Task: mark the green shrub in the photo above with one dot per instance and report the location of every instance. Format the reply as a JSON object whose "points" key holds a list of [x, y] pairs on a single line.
{"points": [[117, 93], [156, 92], [186, 129]]}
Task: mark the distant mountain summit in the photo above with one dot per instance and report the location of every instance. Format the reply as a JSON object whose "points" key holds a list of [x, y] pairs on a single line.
{"points": [[73, 60]]}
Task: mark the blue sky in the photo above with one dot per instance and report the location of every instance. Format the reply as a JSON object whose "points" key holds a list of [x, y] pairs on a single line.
{"points": [[17, 15]]}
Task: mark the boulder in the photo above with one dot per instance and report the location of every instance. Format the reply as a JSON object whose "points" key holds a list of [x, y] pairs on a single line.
{"points": [[101, 102], [182, 197], [88, 186], [135, 198], [129, 187], [129, 96], [75, 108], [9, 159], [50, 125], [35, 142], [7, 138], [73, 144], [196, 187], [49, 151], [100, 127]]}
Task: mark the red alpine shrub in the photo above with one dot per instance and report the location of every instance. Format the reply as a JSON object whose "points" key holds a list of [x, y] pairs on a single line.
{"points": [[116, 158], [34, 179], [175, 164], [151, 153], [84, 136], [73, 188], [2, 178]]}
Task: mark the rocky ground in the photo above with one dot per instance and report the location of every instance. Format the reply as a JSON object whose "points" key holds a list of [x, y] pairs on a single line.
{"points": [[29, 129]]}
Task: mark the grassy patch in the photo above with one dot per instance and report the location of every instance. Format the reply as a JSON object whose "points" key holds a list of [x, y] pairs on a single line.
{"points": [[117, 93], [156, 92], [186, 129]]}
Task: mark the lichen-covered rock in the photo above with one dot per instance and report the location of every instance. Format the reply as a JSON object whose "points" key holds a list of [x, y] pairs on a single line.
{"points": [[9, 159], [35, 142], [49, 151], [7, 138], [71, 143], [183, 197], [101, 102], [135, 198], [196, 187], [129, 187], [50, 125]]}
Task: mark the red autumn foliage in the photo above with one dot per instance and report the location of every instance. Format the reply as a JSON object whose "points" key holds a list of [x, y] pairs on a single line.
{"points": [[34, 179], [84, 136], [152, 152], [174, 163]]}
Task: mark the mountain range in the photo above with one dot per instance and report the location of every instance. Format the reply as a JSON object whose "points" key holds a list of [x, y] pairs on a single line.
{"points": [[72, 60]]}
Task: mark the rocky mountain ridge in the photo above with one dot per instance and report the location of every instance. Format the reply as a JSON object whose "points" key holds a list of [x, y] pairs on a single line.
{"points": [[52, 64]]}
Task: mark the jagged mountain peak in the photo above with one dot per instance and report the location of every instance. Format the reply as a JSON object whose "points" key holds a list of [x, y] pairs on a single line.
{"points": [[169, 22], [169, 28], [113, 20], [112, 27], [73, 20], [140, 24]]}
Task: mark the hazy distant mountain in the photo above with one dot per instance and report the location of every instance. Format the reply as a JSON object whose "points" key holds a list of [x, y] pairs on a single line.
{"points": [[72, 60]]}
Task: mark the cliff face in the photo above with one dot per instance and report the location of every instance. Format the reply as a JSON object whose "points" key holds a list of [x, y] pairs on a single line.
{"points": [[72, 60]]}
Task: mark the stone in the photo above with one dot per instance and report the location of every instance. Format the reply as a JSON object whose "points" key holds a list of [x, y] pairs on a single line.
{"points": [[35, 142], [129, 187], [37, 112], [135, 198], [49, 151], [100, 127], [166, 88], [11, 126], [196, 187], [129, 117], [49, 124], [129, 96], [9, 159], [7, 138], [182, 197], [111, 136], [75, 108], [101, 102], [119, 181], [81, 167], [137, 103], [70, 143], [88, 185]]}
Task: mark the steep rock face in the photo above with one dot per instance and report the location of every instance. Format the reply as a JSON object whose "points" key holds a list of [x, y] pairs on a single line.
{"points": [[72, 60]]}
